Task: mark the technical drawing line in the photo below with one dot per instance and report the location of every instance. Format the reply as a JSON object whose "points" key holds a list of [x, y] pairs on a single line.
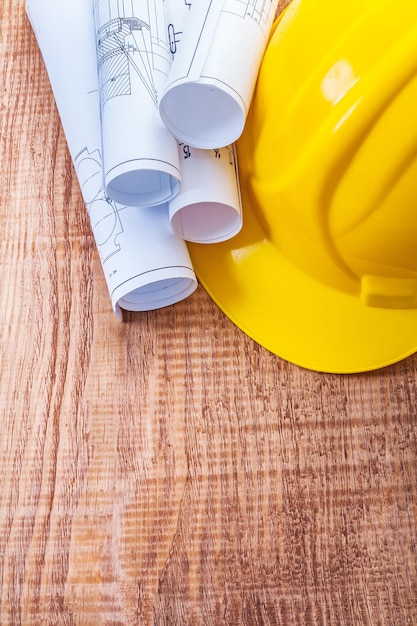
{"points": [[155, 269], [115, 56], [103, 213], [146, 159], [127, 43], [257, 10]]}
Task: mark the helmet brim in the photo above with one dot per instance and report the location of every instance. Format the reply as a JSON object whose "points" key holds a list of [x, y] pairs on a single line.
{"points": [[292, 314]]}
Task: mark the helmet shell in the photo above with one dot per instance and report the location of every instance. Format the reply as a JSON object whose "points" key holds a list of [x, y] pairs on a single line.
{"points": [[328, 167], [331, 146]]}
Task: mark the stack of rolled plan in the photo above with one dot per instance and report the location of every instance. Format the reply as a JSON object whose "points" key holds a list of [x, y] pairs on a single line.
{"points": [[147, 188], [145, 264]]}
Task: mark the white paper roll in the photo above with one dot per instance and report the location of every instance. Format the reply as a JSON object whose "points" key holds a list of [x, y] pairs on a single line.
{"points": [[213, 75], [208, 207], [139, 155]]}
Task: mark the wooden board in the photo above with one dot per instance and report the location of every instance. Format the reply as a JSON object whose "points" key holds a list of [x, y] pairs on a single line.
{"points": [[168, 470]]}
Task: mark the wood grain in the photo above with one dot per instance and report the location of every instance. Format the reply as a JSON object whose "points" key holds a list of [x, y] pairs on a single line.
{"points": [[168, 470]]}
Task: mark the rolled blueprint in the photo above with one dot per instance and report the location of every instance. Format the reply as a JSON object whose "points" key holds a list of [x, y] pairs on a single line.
{"points": [[208, 206], [145, 264], [140, 156], [213, 75]]}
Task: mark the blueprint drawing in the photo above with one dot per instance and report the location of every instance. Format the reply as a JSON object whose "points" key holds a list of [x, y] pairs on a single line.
{"points": [[131, 41]]}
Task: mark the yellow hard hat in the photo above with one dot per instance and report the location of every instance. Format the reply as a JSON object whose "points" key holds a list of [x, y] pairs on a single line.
{"points": [[324, 271]]}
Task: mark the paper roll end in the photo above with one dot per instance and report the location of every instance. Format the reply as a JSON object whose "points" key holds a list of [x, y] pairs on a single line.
{"points": [[202, 115]]}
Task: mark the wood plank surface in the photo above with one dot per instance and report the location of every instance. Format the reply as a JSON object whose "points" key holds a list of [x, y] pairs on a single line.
{"points": [[168, 470]]}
